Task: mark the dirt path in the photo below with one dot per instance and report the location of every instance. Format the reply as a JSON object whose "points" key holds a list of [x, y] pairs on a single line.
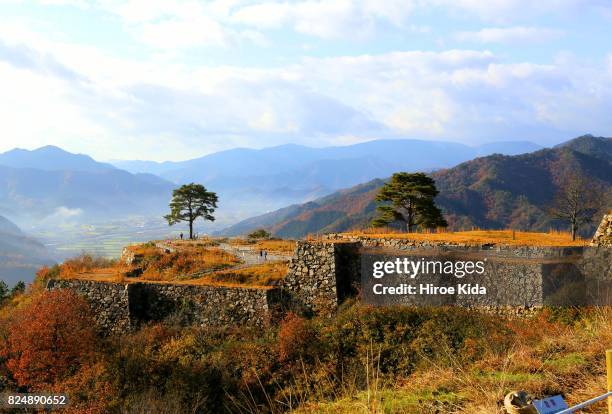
{"points": [[250, 256]]}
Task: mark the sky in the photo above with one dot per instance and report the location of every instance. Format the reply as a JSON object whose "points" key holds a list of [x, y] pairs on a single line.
{"points": [[173, 80]]}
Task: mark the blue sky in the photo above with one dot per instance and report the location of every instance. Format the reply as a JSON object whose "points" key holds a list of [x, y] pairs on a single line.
{"points": [[156, 79]]}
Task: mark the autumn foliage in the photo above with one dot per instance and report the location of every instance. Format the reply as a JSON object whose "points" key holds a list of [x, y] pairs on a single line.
{"points": [[294, 337], [48, 339]]}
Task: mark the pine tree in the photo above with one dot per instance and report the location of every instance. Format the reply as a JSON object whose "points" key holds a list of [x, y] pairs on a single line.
{"points": [[4, 290], [409, 198], [189, 202]]}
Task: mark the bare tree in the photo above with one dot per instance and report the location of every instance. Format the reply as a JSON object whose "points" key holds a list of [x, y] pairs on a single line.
{"points": [[576, 202]]}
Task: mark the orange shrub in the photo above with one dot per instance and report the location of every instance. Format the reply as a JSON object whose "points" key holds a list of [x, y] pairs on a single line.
{"points": [[294, 337], [90, 390], [84, 263], [48, 339]]}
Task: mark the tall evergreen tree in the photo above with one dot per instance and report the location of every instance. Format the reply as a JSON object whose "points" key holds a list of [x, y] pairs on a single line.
{"points": [[189, 202], [409, 198], [19, 288]]}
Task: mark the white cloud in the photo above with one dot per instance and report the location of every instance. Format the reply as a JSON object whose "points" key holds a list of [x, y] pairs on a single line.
{"points": [[517, 34], [182, 24], [221, 22], [325, 19], [510, 10], [87, 101], [67, 212]]}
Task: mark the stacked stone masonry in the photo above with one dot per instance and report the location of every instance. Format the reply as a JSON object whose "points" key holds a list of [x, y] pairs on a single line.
{"points": [[518, 278], [121, 307], [603, 235], [323, 274]]}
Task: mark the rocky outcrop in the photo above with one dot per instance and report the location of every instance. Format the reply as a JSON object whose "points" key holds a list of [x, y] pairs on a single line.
{"points": [[603, 235], [129, 257]]}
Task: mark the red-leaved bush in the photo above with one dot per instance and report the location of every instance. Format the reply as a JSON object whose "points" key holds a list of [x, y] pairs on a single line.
{"points": [[49, 339], [294, 337]]}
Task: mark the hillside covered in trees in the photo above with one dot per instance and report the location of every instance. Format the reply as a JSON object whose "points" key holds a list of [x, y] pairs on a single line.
{"points": [[495, 191]]}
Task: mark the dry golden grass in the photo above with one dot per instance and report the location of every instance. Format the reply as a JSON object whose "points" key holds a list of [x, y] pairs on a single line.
{"points": [[543, 358], [201, 242], [183, 266], [265, 274], [111, 275], [238, 241], [156, 264], [476, 237], [84, 263], [278, 246], [185, 258], [145, 249], [108, 274]]}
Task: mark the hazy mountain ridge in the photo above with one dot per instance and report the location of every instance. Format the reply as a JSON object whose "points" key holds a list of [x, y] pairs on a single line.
{"points": [[51, 158], [495, 191], [241, 162], [49, 181], [255, 180], [20, 256]]}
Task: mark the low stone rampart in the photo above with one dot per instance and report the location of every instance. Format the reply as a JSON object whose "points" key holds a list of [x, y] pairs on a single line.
{"points": [[120, 307], [109, 302], [324, 273]]}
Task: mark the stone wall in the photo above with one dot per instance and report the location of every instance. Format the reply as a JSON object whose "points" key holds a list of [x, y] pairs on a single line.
{"points": [[109, 302], [603, 235], [325, 273], [201, 305], [121, 307], [321, 275]]}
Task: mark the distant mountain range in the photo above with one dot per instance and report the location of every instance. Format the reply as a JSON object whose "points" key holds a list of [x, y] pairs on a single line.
{"points": [[495, 191], [20, 256], [245, 162], [66, 199], [51, 158], [250, 180], [50, 183]]}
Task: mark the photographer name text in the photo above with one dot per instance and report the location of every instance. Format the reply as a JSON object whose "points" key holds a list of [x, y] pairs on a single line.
{"points": [[429, 289]]}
